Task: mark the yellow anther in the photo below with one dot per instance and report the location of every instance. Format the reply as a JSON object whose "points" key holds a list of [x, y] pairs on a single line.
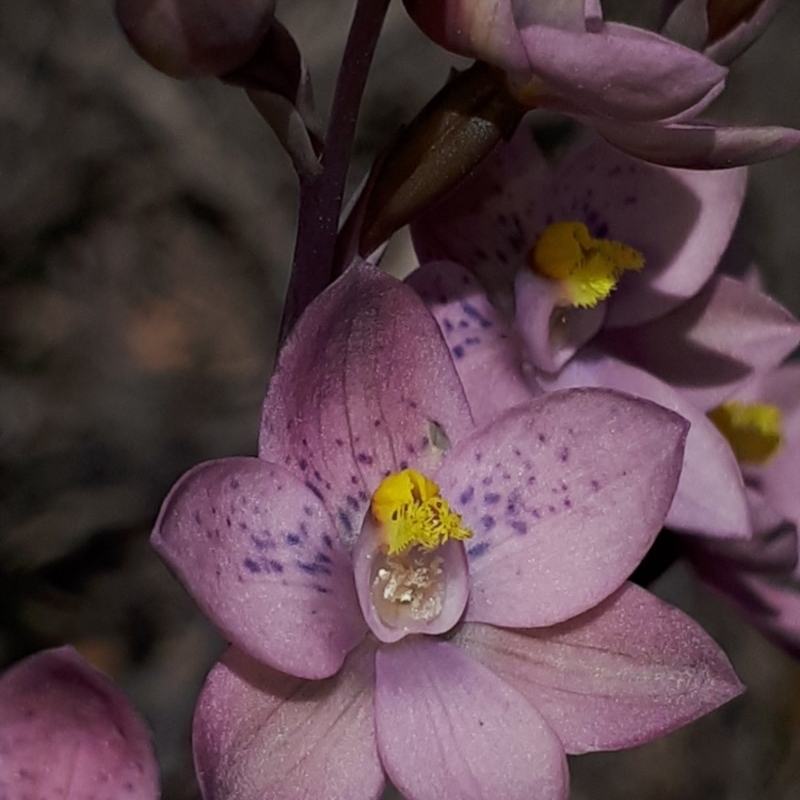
{"points": [[753, 430], [412, 513], [588, 268]]}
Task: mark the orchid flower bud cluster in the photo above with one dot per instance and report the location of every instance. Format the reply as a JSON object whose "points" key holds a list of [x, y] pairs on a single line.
{"points": [[432, 574]]}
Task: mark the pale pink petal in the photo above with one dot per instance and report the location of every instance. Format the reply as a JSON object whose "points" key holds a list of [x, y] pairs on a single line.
{"points": [[449, 729], [390, 622], [710, 499], [259, 553], [619, 71], [622, 674], [486, 351], [703, 145], [263, 734], [709, 346], [552, 330], [67, 732], [564, 495], [364, 386]]}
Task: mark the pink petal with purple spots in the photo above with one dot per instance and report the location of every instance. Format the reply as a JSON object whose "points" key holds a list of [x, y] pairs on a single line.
{"points": [[710, 499], [564, 495], [67, 732], [651, 78], [711, 345], [485, 224], [365, 386], [260, 733], [449, 729], [622, 674], [486, 351], [680, 220], [259, 553]]}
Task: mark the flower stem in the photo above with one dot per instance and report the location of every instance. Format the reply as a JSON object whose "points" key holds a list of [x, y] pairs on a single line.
{"points": [[321, 196]]}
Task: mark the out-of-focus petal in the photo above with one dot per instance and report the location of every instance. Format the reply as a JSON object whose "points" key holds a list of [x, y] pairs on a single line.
{"points": [[713, 343], [779, 478], [364, 385], [66, 731], [260, 733], [622, 674], [710, 499], [564, 496], [700, 145], [486, 351], [620, 72], [259, 553], [485, 224], [449, 729]]}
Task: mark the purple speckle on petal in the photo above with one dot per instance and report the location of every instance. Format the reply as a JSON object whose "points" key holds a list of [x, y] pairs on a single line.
{"points": [[327, 540], [275, 566], [314, 490], [520, 527], [478, 549], [467, 495], [292, 539], [491, 498], [563, 455], [458, 351], [595, 485], [251, 566], [487, 522]]}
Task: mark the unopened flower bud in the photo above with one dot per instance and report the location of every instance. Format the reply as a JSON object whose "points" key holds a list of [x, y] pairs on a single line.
{"points": [[193, 38]]}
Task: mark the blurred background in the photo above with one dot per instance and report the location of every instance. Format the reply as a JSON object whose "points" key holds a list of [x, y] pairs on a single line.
{"points": [[146, 228]]}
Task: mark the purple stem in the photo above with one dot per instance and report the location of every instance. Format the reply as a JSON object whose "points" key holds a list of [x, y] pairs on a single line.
{"points": [[321, 197]]}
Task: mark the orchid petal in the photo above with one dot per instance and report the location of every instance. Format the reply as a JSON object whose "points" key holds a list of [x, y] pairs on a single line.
{"points": [[484, 30], [449, 729], [700, 145], [710, 498], [553, 332], [778, 478], [622, 674], [485, 225], [713, 343], [260, 733], [66, 731], [364, 386], [680, 220], [652, 77], [586, 473], [486, 351], [259, 554]]}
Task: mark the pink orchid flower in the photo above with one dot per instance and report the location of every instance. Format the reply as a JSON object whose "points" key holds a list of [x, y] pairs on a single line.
{"points": [[641, 91], [66, 732], [762, 577], [410, 595], [668, 331]]}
